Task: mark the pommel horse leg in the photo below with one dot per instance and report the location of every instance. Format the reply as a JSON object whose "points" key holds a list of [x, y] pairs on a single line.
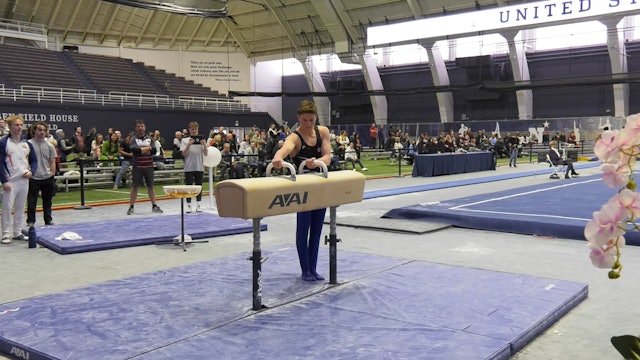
{"points": [[256, 259], [332, 240]]}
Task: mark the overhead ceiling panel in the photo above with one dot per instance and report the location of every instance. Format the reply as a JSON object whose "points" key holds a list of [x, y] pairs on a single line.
{"points": [[252, 24]]}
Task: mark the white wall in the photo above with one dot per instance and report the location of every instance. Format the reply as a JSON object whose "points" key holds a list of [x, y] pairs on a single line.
{"points": [[219, 71], [268, 78]]}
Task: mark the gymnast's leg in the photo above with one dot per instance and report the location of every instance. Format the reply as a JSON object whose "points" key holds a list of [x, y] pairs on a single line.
{"points": [[317, 221], [302, 236]]}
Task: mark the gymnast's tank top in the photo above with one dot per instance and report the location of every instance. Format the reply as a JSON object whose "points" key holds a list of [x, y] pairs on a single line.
{"points": [[308, 151]]}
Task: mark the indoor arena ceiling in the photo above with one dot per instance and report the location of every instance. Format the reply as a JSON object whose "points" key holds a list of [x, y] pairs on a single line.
{"points": [[258, 27]]}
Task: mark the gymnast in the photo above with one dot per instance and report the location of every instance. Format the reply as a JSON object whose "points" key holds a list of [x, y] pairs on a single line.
{"points": [[308, 143]]}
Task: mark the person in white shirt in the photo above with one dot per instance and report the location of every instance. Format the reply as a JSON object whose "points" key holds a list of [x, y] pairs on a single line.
{"points": [[350, 155], [194, 149], [42, 182], [17, 159]]}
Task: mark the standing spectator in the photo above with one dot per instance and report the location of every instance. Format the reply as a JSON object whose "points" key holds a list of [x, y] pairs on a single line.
{"points": [[64, 145], [42, 181], [381, 144], [141, 148], [17, 158], [77, 143], [157, 153], [194, 149], [514, 143], [158, 137], [88, 140], [373, 134], [126, 158]]}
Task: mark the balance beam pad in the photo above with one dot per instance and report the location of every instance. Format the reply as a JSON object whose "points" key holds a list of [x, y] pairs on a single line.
{"points": [[136, 231], [256, 198]]}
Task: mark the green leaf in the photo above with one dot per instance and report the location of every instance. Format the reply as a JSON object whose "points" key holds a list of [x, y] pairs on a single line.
{"points": [[627, 345]]}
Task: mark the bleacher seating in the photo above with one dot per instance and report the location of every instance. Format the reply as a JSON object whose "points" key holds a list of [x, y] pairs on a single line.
{"points": [[32, 69], [176, 86], [35, 67], [111, 74]]}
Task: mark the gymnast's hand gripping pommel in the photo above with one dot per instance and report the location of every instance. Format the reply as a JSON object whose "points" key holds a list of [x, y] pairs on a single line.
{"points": [[256, 198]]}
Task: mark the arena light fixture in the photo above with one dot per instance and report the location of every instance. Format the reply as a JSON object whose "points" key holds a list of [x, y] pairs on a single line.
{"points": [[202, 8]]}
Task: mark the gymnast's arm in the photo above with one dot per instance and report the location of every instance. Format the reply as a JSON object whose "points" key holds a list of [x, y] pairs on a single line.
{"points": [[291, 144], [326, 145]]}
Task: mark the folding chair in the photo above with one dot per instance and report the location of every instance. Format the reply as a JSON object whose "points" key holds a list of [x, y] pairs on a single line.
{"points": [[556, 169]]}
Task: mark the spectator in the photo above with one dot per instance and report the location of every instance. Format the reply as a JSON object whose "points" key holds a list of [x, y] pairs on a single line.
{"points": [[556, 159], [244, 144], [4, 128], [96, 146], [42, 181], [252, 155], [194, 149], [77, 143], [514, 144], [17, 162], [373, 136], [88, 140], [111, 150], [177, 143], [63, 145], [126, 159], [351, 156], [142, 148], [157, 153], [230, 163], [158, 137]]}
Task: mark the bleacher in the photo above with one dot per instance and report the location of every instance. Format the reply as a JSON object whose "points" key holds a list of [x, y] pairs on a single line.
{"points": [[28, 67], [177, 86], [69, 76], [98, 175], [111, 74]]}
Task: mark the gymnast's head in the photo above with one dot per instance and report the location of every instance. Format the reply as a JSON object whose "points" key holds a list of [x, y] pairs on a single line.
{"points": [[307, 113]]}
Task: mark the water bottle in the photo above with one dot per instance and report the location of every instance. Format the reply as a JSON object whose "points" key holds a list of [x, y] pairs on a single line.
{"points": [[32, 237]]}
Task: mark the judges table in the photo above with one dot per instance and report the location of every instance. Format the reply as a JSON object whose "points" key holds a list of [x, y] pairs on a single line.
{"points": [[451, 163]]}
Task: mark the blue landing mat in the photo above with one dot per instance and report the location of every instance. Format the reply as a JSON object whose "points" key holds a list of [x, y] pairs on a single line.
{"points": [[559, 208], [138, 230], [544, 170], [384, 308]]}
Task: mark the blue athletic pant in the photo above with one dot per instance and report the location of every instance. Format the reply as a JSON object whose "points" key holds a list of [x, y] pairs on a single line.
{"points": [[308, 231]]}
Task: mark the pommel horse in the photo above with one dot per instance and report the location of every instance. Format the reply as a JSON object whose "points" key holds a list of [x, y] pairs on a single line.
{"points": [[256, 198]]}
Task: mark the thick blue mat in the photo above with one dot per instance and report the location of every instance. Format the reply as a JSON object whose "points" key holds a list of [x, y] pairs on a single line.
{"points": [[384, 308], [138, 230], [544, 170], [559, 208]]}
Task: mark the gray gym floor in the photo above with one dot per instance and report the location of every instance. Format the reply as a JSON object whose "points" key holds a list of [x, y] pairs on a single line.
{"points": [[582, 334]]}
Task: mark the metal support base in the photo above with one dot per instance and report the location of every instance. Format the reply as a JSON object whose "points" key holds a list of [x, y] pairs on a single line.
{"points": [[182, 242], [332, 240]]}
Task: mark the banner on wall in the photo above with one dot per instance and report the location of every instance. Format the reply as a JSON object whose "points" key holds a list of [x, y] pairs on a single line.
{"points": [[167, 121]]}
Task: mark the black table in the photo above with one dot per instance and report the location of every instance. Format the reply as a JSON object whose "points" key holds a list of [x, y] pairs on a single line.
{"points": [[452, 163]]}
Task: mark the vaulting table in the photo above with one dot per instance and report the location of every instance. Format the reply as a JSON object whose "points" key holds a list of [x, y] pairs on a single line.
{"points": [[452, 163]]}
